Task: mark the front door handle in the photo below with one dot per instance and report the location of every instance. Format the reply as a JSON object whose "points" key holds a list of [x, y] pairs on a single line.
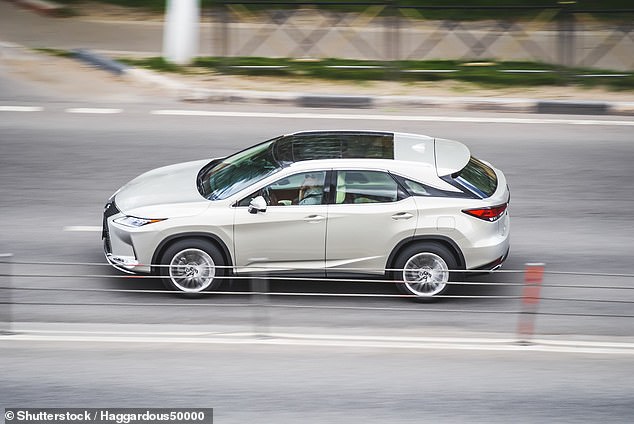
{"points": [[402, 215], [314, 218]]}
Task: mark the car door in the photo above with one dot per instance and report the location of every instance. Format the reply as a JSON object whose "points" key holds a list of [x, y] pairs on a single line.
{"points": [[291, 233], [370, 215]]}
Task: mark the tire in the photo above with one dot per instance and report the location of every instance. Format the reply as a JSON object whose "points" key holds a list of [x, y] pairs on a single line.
{"points": [[191, 266], [424, 270]]}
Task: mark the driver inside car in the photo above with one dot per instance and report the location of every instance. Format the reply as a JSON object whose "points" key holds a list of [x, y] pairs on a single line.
{"points": [[311, 191]]}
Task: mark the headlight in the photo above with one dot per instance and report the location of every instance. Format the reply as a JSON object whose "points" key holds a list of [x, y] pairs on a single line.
{"points": [[134, 222]]}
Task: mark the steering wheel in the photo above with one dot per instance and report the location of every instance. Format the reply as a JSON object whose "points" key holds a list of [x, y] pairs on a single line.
{"points": [[269, 196]]}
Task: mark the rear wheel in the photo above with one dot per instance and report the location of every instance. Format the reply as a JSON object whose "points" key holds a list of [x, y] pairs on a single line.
{"points": [[192, 266], [423, 270]]}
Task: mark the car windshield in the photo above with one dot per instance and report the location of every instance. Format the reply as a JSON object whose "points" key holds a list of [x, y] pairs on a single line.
{"points": [[220, 180]]}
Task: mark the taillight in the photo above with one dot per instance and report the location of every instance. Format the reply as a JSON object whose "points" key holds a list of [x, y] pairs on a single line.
{"points": [[490, 214]]}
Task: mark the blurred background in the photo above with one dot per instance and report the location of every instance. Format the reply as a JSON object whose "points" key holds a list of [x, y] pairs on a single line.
{"points": [[93, 93]]}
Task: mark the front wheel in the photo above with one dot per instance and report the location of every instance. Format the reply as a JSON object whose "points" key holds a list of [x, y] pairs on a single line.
{"points": [[192, 266], [423, 270]]}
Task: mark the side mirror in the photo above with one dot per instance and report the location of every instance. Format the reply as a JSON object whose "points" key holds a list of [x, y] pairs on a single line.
{"points": [[257, 204]]}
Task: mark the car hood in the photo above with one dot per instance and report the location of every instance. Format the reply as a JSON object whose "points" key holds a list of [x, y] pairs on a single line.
{"points": [[163, 192]]}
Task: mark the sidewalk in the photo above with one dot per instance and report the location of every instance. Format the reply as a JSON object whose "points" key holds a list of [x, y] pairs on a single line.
{"points": [[391, 94], [74, 78], [116, 38]]}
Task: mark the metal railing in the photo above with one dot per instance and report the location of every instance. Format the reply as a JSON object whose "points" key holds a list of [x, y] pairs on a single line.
{"points": [[562, 34], [526, 294]]}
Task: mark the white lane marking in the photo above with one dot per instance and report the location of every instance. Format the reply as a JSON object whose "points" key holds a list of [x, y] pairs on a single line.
{"points": [[95, 110], [354, 117], [21, 109], [422, 118], [475, 344], [83, 228]]}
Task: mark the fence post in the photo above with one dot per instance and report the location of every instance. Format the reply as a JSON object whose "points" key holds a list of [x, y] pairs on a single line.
{"points": [[392, 39], [220, 34], [533, 277], [566, 34], [5, 293], [223, 29], [260, 291]]}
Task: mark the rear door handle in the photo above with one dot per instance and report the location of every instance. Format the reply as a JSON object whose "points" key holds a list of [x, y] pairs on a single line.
{"points": [[402, 215], [313, 218]]}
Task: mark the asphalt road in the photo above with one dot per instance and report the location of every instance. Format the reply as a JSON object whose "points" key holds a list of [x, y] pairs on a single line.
{"points": [[571, 208], [282, 384]]}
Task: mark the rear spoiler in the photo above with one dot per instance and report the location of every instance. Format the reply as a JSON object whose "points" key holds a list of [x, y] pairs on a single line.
{"points": [[450, 156]]}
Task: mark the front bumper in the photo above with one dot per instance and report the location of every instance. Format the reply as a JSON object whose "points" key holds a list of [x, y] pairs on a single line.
{"points": [[127, 264], [109, 211], [119, 253]]}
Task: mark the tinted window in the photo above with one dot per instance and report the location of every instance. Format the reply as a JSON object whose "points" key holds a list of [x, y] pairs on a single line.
{"points": [[418, 189], [366, 187], [334, 145], [478, 177]]}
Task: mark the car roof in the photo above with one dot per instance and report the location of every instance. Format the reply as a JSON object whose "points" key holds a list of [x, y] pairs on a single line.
{"points": [[446, 156]]}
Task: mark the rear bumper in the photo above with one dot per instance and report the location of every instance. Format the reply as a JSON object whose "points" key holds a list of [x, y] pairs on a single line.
{"points": [[493, 265]]}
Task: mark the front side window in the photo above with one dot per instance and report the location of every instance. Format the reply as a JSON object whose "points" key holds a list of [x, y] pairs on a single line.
{"points": [[367, 187], [306, 188], [237, 172]]}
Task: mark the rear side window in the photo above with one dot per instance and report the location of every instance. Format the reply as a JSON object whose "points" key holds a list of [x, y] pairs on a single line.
{"points": [[418, 189], [478, 178], [367, 187]]}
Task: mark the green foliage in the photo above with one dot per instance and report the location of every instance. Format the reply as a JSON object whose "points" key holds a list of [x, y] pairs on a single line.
{"points": [[154, 63], [485, 73], [56, 52]]}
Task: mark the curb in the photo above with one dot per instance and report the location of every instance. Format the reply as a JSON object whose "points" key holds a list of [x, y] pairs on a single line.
{"points": [[481, 104], [325, 340], [187, 93], [309, 100], [578, 108], [43, 7]]}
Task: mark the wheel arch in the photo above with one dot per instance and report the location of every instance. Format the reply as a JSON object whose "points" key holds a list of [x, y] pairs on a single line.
{"points": [[441, 240], [168, 241]]}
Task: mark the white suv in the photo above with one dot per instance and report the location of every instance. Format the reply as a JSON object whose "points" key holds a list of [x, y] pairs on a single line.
{"points": [[410, 207]]}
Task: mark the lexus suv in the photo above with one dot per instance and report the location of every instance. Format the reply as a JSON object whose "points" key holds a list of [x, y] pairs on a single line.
{"points": [[408, 207]]}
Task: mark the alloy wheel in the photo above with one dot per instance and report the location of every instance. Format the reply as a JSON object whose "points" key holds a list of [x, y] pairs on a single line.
{"points": [[192, 270], [425, 274]]}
